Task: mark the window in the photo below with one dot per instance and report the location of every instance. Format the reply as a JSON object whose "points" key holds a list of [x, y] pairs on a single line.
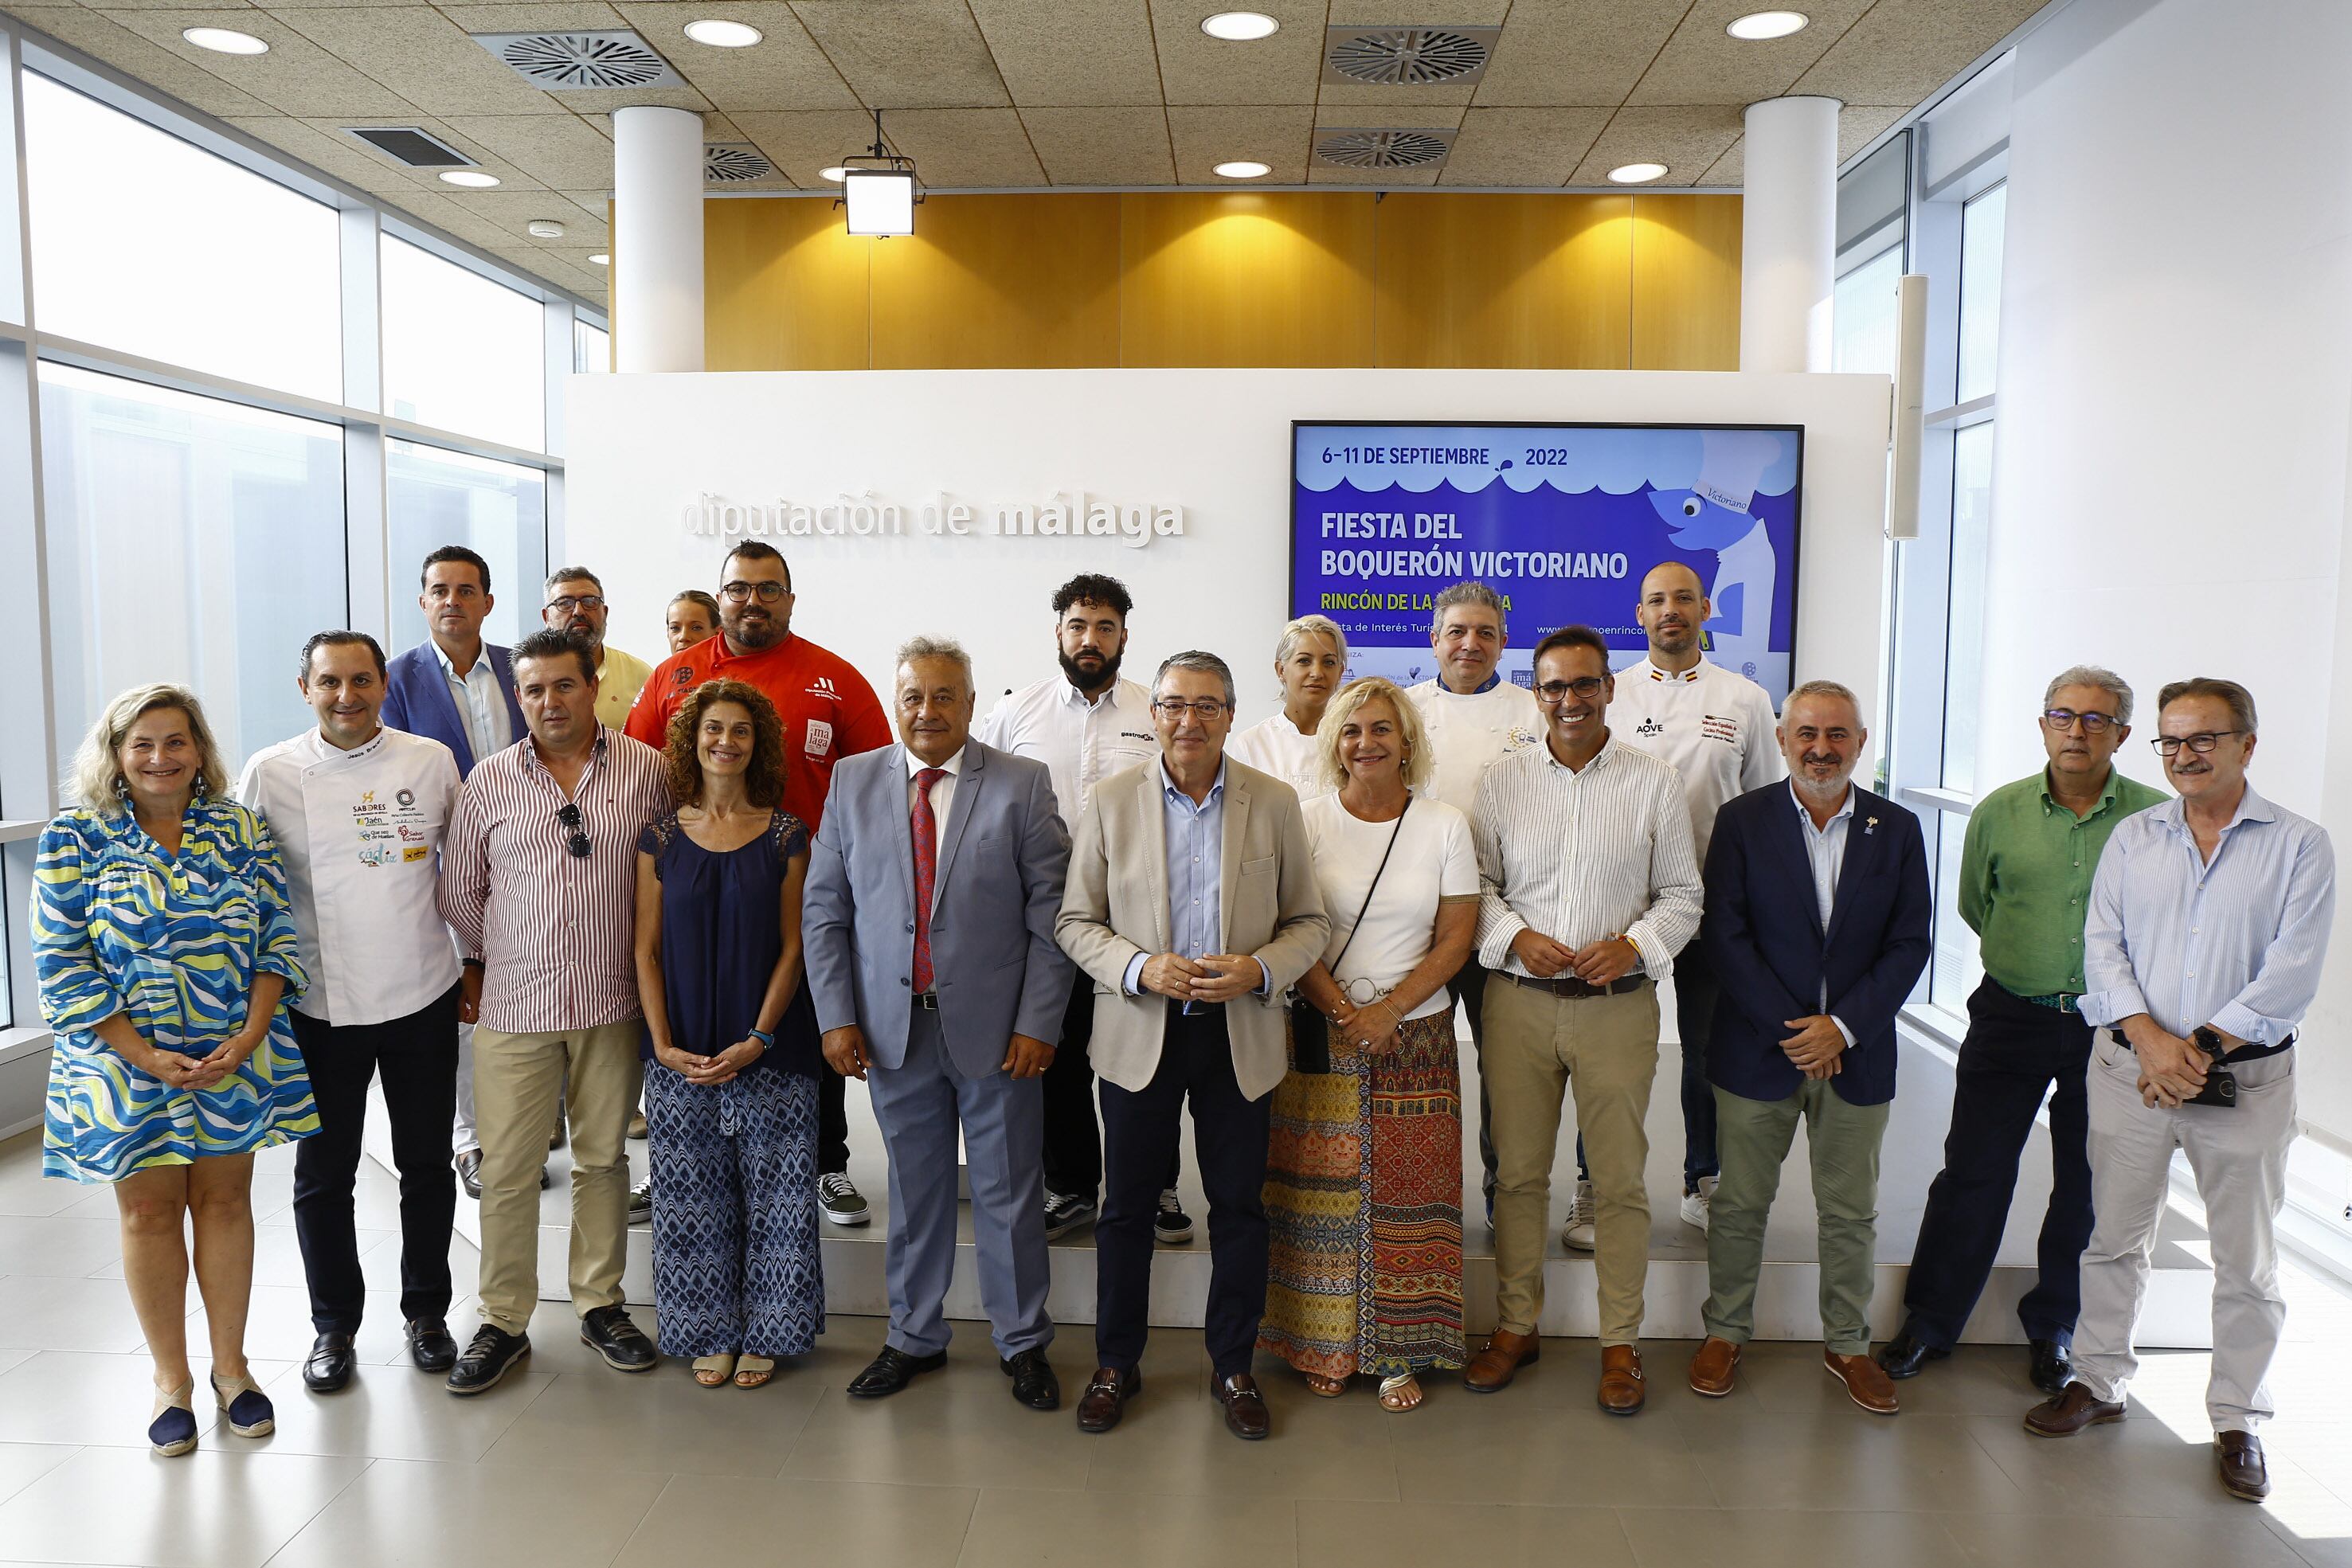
{"points": [[1955, 970], [591, 348], [461, 353], [498, 510], [1983, 222], [145, 243], [190, 541], [1964, 626], [1864, 333]]}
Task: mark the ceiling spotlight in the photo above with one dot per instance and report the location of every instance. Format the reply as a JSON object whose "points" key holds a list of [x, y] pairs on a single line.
{"points": [[724, 35], [543, 228], [1239, 26], [1242, 169], [1759, 25], [836, 174], [880, 189], [600, 259], [1636, 174], [472, 179], [224, 41]]}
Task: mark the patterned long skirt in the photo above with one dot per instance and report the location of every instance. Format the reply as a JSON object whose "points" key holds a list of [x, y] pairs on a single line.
{"points": [[1363, 1206], [736, 1266]]}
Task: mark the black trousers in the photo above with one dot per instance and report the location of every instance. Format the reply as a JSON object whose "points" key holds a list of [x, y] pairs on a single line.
{"points": [[832, 1124], [416, 1056], [2013, 1053], [1074, 1150], [1695, 991], [1229, 1139], [1469, 987]]}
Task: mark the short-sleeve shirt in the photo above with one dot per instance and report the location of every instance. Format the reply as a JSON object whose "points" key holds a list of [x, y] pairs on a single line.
{"points": [[1434, 861]]}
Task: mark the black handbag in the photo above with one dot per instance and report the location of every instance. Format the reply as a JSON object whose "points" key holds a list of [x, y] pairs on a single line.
{"points": [[1310, 1041]]}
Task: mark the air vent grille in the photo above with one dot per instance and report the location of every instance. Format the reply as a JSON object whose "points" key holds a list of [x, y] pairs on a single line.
{"points": [[564, 62], [415, 148], [1408, 56], [1383, 149], [733, 163]]}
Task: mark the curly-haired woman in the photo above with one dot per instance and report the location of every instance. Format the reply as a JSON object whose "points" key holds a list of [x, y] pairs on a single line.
{"points": [[732, 1043]]}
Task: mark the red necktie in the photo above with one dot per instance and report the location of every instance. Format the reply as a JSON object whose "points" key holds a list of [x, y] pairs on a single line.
{"points": [[926, 871]]}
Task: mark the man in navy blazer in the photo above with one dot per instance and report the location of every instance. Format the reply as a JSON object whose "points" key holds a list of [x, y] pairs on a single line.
{"points": [[933, 887], [1817, 924]]}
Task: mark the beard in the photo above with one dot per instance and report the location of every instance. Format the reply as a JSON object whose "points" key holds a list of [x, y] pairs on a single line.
{"points": [[765, 634], [1101, 678]]}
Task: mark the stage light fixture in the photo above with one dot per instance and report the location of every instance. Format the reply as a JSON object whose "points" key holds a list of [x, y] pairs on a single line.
{"points": [[880, 189]]}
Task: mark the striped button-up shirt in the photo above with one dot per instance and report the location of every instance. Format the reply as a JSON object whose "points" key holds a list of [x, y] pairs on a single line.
{"points": [[2235, 942], [555, 932], [1579, 855]]}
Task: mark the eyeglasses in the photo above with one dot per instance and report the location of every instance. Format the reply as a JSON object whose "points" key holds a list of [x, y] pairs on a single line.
{"points": [[578, 842], [1585, 686], [1209, 709], [2093, 723], [741, 593], [570, 602], [2170, 745]]}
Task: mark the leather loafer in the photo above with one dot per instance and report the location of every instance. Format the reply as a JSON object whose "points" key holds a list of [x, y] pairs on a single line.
{"points": [[1711, 1368], [2243, 1474], [1106, 1397], [1906, 1354], [331, 1363], [2071, 1412], [1034, 1383], [1495, 1366], [1866, 1383], [469, 1173], [892, 1370], [2052, 1365], [609, 1333], [430, 1346], [1621, 1393], [1245, 1413]]}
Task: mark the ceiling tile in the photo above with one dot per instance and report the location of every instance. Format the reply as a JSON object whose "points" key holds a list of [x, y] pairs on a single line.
{"points": [[1102, 146], [105, 39], [965, 148], [337, 157], [1905, 50], [1704, 64], [596, 205], [1322, 174], [1857, 127], [1522, 146], [1197, 68], [784, 70], [296, 77], [421, 56], [1579, 52], [137, 6], [549, 17], [511, 211], [561, 151], [908, 54], [1095, 52], [1687, 139], [1369, 94], [802, 142], [1207, 135], [1418, 117]]}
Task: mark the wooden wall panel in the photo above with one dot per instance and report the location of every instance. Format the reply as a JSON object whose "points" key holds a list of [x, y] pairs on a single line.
{"points": [[1274, 277], [784, 288], [999, 281], [1686, 283], [1535, 282]]}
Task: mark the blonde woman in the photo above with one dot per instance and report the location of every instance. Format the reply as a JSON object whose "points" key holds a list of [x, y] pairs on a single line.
{"points": [[1311, 661], [1364, 1191], [165, 949]]}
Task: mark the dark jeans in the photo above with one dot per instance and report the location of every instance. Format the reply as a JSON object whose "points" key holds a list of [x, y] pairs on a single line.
{"points": [[1469, 987], [418, 1059], [1074, 1154], [2013, 1053], [832, 1124], [1695, 991], [1229, 1139]]}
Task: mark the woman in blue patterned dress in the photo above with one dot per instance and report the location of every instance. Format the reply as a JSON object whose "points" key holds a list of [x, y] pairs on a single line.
{"points": [[731, 1086], [164, 950]]}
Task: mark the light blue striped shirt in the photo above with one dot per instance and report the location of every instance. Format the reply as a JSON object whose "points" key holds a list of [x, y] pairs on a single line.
{"points": [[2236, 943], [1196, 876]]}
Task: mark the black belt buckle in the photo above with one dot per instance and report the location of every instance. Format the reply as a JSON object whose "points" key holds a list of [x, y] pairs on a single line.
{"points": [[929, 1001]]}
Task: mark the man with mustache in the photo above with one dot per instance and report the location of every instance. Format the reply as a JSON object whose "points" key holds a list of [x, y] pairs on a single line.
{"points": [[2025, 885], [829, 713], [1085, 725], [2208, 928], [1818, 911], [575, 603]]}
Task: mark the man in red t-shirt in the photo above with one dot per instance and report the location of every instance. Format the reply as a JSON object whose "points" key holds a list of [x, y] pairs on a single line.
{"points": [[829, 713]]}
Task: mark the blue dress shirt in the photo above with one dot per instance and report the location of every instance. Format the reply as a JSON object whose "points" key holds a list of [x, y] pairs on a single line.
{"points": [[1196, 876]]}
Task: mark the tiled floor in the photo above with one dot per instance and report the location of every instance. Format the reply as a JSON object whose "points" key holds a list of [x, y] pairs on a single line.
{"points": [[572, 1466]]}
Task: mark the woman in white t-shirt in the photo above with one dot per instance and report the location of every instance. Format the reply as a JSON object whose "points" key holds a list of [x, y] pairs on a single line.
{"points": [[1310, 662], [1363, 1189]]}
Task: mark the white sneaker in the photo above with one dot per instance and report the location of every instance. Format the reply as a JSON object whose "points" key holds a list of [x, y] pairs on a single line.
{"points": [[1694, 1203], [1577, 1234]]}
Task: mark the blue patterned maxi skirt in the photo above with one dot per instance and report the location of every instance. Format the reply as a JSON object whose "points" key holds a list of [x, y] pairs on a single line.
{"points": [[736, 1268]]}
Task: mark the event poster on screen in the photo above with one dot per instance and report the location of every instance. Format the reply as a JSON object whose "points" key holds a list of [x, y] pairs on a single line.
{"points": [[1562, 520]]}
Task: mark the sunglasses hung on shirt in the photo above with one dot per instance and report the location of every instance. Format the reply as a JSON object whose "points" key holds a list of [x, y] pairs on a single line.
{"points": [[578, 842]]}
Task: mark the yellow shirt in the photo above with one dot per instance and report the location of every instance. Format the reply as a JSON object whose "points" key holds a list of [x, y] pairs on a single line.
{"points": [[618, 681]]}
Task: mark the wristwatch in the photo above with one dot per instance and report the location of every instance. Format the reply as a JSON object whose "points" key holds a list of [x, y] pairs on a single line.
{"points": [[767, 1041]]}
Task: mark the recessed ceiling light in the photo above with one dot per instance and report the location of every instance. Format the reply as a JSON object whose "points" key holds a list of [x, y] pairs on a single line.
{"points": [[472, 179], [1629, 174], [836, 173], [224, 41], [600, 259], [1239, 26], [1242, 169], [1768, 24], [543, 228], [724, 35]]}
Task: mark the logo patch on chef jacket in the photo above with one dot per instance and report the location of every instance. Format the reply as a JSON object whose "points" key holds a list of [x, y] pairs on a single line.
{"points": [[1722, 727], [414, 852], [818, 739], [406, 796], [1649, 726]]}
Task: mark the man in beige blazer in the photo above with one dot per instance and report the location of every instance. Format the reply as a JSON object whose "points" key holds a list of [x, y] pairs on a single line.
{"points": [[1191, 905]]}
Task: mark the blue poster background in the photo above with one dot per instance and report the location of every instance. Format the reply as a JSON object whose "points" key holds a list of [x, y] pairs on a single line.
{"points": [[1562, 520]]}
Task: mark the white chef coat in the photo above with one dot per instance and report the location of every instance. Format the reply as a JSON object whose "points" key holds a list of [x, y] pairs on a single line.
{"points": [[1276, 747], [1471, 733], [1081, 743], [1716, 725]]}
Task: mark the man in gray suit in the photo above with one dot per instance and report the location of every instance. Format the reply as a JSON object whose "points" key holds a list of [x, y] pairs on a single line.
{"points": [[1193, 905], [933, 887]]}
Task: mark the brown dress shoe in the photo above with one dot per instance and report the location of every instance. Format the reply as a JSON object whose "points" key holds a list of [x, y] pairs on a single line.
{"points": [[2071, 1412], [1245, 1415], [1711, 1368], [1621, 1393], [2243, 1473], [1105, 1398], [1495, 1366], [1866, 1383]]}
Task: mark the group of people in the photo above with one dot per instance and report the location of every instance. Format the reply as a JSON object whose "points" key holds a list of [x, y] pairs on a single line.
{"points": [[528, 890]]}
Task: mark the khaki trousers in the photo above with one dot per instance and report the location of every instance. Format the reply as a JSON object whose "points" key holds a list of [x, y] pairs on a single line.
{"points": [[519, 1089], [1603, 1050]]}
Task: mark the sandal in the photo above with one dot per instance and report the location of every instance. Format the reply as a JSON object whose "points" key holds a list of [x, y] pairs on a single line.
{"points": [[1401, 1393], [1324, 1388], [249, 1412], [172, 1425], [713, 1370], [754, 1370]]}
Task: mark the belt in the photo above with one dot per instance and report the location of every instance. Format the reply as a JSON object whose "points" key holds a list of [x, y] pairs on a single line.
{"points": [[2057, 1001], [928, 1001], [2228, 1059], [1569, 986]]}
